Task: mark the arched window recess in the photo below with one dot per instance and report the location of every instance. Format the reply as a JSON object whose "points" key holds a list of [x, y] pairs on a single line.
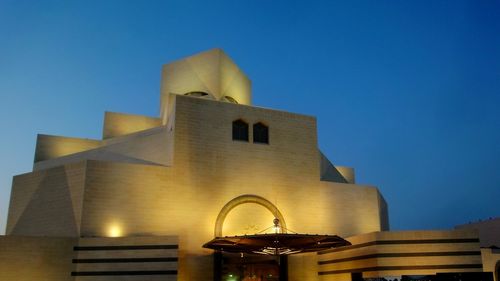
{"points": [[240, 130], [229, 99], [260, 133]]}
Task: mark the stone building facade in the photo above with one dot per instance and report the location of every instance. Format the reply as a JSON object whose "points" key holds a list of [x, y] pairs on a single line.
{"points": [[139, 203]]}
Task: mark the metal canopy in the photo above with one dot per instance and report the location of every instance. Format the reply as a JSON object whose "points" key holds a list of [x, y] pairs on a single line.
{"points": [[276, 243]]}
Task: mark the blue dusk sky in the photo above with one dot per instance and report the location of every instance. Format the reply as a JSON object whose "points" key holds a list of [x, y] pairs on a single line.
{"points": [[407, 92]]}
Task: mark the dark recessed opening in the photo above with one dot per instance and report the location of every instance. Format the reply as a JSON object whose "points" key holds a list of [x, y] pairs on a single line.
{"points": [[260, 133], [240, 130]]}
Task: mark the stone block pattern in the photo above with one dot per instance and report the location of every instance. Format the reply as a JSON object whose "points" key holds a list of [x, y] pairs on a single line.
{"points": [[47, 202], [25, 258], [126, 258], [50, 147], [175, 179], [384, 254], [120, 124]]}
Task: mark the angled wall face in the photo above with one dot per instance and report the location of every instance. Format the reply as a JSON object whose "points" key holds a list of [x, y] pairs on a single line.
{"points": [[121, 124], [330, 172], [383, 209], [211, 73], [47, 203], [347, 173], [126, 138], [51, 147], [36, 258], [149, 147]]}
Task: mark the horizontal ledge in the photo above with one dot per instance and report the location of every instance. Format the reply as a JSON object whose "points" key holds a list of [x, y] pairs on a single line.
{"points": [[411, 267], [125, 260], [401, 242], [124, 247], [109, 273], [402, 255]]}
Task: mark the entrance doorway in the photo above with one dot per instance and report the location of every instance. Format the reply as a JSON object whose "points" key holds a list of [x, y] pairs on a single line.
{"points": [[247, 267]]}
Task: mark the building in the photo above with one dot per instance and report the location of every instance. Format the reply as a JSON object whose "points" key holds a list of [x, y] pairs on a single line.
{"points": [[140, 203], [489, 233]]}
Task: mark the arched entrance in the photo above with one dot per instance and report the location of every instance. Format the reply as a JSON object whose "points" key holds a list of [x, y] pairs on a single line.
{"points": [[243, 267], [245, 199]]}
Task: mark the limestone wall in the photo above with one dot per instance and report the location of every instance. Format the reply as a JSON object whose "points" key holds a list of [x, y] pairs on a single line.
{"points": [[120, 124], [25, 258], [47, 202], [392, 254], [489, 231], [209, 169], [211, 72], [491, 261], [175, 179], [50, 147], [126, 258]]}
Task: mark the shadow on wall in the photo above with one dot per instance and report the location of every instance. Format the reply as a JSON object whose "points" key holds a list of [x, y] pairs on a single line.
{"points": [[53, 188]]}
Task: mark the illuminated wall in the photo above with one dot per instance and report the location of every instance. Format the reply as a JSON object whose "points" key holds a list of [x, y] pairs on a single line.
{"points": [[120, 124], [47, 202], [24, 258], [491, 261], [207, 170], [174, 179], [117, 256], [211, 72], [393, 254], [50, 147], [172, 176]]}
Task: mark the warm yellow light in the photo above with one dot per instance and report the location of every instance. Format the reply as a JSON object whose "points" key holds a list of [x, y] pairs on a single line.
{"points": [[115, 230], [276, 228]]}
